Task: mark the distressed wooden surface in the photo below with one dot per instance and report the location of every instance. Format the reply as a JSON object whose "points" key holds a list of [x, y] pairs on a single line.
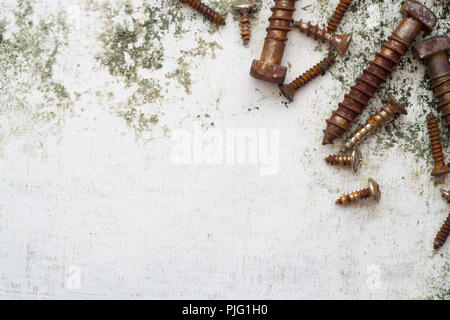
{"points": [[92, 204]]}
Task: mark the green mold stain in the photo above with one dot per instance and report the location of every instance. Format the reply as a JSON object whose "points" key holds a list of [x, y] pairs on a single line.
{"points": [[33, 103], [439, 286]]}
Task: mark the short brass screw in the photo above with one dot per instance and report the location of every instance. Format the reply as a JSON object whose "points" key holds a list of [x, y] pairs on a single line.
{"points": [[372, 191], [289, 90], [245, 8], [440, 168], [338, 42], [352, 160]]}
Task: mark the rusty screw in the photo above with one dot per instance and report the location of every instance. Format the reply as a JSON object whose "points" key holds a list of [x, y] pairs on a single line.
{"points": [[417, 17], [269, 68], [289, 90], [353, 160], [245, 8], [433, 50], [440, 168], [337, 41], [206, 11], [383, 116], [372, 191], [338, 14], [442, 235], [446, 195]]}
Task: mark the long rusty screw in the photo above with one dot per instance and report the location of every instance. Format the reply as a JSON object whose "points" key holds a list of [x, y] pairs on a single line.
{"points": [[269, 68], [433, 50], [446, 195], [442, 235], [382, 117], [337, 41], [417, 17], [372, 191], [440, 168], [289, 90], [352, 160], [206, 11], [338, 14], [245, 8]]}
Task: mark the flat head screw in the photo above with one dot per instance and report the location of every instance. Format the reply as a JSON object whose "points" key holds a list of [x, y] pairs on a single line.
{"points": [[338, 14], [380, 118], [417, 18], [440, 168], [372, 191], [245, 8], [206, 11], [352, 160], [289, 90], [433, 51], [339, 42]]}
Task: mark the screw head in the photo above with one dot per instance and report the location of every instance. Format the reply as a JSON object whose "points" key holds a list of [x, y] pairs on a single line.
{"points": [[375, 189], [242, 5], [395, 105], [420, 12], [287, 91], [356, 159], [426, 48], [343, 43], [440, 170]]}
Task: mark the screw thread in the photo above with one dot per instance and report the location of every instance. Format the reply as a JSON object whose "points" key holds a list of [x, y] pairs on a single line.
{"points": [[441, 88], [443, 234], [435, 140], [352, 197], [206, 11], [313, 31], [316, 70], [336, 159], [245, 28], [338, 14]]}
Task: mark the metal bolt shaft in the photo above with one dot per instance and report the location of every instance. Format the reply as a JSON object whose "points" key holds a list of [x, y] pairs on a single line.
{"points": [[440, 168], [382, 117], [352, 160], [338, 42], [417, 17], [206, 11], [338, 14], [268, 67], [372, 191], [442, 235], [289, 90]]}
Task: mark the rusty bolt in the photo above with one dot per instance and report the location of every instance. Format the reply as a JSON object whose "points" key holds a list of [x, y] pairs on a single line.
{"points": [[268, 67], [353, 160], [433, 50], [372, 191], [289, 90], [417, 17], [442, 235], [383, 116], [440, 168], [338, 14], [245, 8], [206, 11], [337, 41], [446, 195]]}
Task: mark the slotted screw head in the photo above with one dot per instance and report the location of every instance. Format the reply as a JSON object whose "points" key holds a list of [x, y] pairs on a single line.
{"points": [[243, 5], [375, 189]]}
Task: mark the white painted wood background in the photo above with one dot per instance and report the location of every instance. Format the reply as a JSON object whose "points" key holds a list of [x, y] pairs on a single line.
{"points": [[94, 211]]}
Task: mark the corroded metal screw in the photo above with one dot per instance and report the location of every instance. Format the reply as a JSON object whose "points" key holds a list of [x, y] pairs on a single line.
{"points": [[206, 11], [372, 191], [289, 90], [353, 160], [383, 116], [337, 41], [417, 17], [440, 168], [268, 67], [245, 8], [433, 50], [446, 195], [442, 235], [338, 14]]}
